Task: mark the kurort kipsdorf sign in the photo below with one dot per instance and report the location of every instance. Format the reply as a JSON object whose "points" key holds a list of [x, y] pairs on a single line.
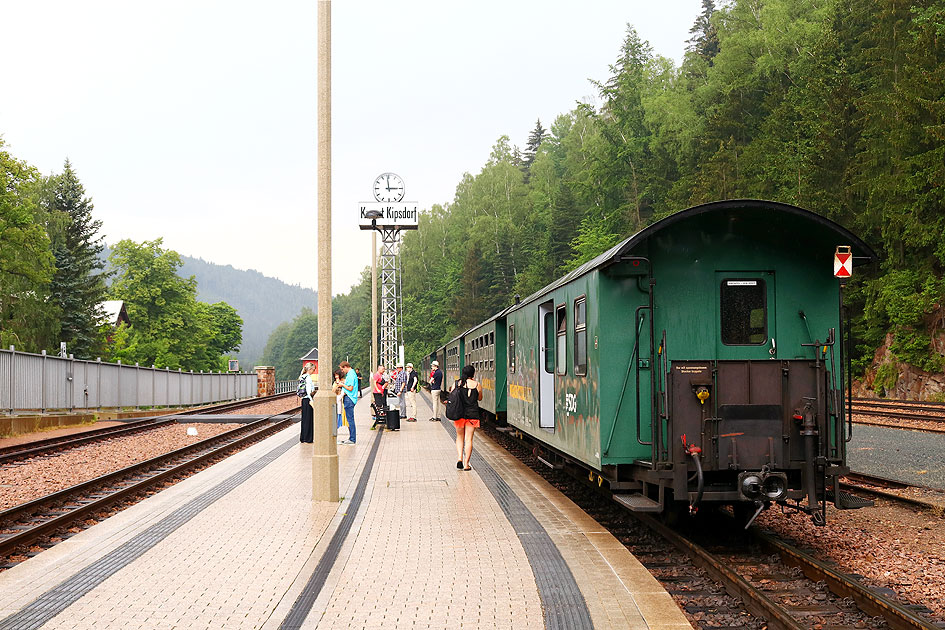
{"points": [[402, 215]]}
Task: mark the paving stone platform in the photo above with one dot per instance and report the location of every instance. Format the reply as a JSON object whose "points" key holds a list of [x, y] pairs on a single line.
{"points": [[415, 543]]}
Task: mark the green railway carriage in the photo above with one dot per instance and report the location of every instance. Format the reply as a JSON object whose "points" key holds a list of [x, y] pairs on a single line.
{"points": [[426, 367], [485, 349], [699, 361], [452, 361]]}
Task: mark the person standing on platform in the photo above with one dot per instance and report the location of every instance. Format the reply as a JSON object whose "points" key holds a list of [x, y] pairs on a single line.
{"points": [[470, 394], [338, 391], [360, 386], [379, 389], [411, 394], [436, 384], [400, 389], [307, 434], [351, 392]]}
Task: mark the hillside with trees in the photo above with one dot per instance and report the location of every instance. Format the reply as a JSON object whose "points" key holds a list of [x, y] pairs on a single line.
{"points": [[262, 302], [836, 106], [54, 279]]}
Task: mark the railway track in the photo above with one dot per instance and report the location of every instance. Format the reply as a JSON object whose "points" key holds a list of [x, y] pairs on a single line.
{"points": [[760, 574], [906, 409], [20, 452], [27, 524], [776, 582], [884, 487], [233, 406]]}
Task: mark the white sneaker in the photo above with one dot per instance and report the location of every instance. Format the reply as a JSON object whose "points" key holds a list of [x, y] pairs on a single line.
{"points": [[345, 442]]}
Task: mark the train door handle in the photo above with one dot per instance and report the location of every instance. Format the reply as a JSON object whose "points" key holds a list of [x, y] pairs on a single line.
{"points": [[774, 348]]}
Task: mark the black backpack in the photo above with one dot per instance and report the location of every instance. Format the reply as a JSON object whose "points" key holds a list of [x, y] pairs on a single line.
{"points": [[454, 403], [301, 391]]}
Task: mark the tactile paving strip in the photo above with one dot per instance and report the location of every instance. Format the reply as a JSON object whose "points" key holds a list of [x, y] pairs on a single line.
{"points": [[303, 604], [58, 598], [561, 598]]}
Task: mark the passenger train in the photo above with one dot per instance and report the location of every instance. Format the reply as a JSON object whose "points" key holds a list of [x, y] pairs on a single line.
{"points": [[702, 361]]}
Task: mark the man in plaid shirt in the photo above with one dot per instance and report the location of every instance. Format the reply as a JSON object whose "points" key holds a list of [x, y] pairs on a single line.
{"points": [[400, 389]]}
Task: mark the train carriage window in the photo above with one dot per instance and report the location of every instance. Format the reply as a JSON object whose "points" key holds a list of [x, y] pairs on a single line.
{"points": [[549, 343], [562, 339], [580, 336], [512, 349], [744, 312]]}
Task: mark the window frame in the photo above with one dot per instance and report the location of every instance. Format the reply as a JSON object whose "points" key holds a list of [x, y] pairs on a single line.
{"points": [[762, 284], [511, 340], [580, 369], [561, 340]]}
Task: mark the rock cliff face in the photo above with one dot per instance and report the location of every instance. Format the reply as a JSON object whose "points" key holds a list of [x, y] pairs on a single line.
{"points": [[889, 378]]}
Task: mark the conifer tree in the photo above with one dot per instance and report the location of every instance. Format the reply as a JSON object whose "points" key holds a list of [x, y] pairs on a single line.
{"points": [[78, 286], [531, 147], [705, 39]]}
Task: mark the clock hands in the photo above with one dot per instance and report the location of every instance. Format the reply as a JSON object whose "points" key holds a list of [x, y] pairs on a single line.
{"points": [[383, 183]]}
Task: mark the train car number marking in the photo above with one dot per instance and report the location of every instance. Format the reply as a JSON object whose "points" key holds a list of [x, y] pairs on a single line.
{"points": [[570, 401]]}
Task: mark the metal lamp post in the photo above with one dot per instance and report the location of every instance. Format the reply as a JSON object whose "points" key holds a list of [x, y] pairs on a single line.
{"points": [[374, 215]]}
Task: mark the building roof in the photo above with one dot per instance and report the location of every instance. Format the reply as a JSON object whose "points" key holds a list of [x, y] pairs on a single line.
{"points": [[311, 356], [114, 311]]}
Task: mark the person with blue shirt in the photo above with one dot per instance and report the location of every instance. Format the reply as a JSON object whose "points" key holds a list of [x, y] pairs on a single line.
{"points": [[350, 390]]}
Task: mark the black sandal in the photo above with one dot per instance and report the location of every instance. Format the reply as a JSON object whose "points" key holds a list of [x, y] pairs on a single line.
{"points": [[468, 468], [459, 465]]}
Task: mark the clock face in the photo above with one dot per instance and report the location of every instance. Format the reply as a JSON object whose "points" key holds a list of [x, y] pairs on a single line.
{"points": [[388, 187]]}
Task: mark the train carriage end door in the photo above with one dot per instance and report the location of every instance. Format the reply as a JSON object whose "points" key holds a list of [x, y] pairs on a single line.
{"points": [[546, 366], [745, 315]]}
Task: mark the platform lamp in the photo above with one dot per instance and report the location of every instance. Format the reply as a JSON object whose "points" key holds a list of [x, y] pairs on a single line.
{"points": [[324, 449], [373, 215]]}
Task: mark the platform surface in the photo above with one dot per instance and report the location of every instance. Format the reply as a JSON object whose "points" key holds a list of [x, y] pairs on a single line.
{"points": [[415, 543]]}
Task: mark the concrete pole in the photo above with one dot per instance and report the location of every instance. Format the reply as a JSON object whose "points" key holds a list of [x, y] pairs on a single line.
{"points": [[324, 449], [373, 301]]}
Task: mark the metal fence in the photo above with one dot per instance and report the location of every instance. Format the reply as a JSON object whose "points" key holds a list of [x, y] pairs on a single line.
{"points": [[45, 382], [284, 387]]}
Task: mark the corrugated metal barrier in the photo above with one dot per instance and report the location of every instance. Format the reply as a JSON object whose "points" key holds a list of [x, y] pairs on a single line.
{"points": [[43, 382]]}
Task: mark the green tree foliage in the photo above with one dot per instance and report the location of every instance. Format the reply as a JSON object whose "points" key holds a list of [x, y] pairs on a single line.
{"points": [[262, 302], [26, 262], [351, 325], [351, 334], [835, 106], [78, 285], [169, 327], [291, 341]]}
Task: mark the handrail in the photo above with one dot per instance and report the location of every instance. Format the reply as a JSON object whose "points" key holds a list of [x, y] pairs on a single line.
{"points": [[661, 401]]}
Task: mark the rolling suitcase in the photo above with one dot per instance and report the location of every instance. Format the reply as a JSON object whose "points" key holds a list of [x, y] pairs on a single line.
{"points": [[393, 419]]}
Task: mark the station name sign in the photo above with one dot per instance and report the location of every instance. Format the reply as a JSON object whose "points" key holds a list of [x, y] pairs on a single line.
{"points": [[403, 215]]}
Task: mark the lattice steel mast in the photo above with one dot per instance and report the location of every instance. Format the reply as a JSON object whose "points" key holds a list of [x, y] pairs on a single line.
{"points": [[391, 334]]}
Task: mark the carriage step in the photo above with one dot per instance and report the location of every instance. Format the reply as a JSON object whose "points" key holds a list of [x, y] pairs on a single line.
{"points": [[849, 501], [638, 503]]}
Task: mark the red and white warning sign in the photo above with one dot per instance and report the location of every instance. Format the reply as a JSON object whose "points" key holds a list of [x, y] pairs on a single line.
{"points": [[843, 262]]}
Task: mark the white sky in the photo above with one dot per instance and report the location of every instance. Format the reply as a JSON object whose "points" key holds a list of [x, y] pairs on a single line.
{"points": [[195, 120]]}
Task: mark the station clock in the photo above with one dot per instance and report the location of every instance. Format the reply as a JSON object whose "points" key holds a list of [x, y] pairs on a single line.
{"points": [[388, 187]]}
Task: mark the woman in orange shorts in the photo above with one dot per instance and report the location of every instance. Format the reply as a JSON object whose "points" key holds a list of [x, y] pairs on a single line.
{"points": [[466, 426]]}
